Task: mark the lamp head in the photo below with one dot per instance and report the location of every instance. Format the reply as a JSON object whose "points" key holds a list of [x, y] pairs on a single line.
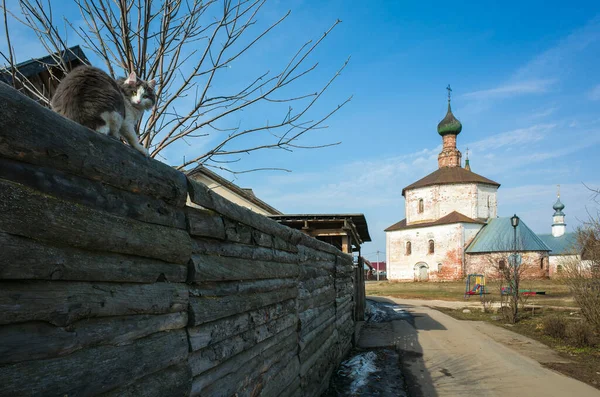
{"points": [[514, 220]]}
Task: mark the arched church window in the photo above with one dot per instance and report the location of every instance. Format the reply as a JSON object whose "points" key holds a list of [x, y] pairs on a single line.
{"points": [[439, 267], [502, 264], [431, 247], [541, 263], [421, 206], [408, 248]]}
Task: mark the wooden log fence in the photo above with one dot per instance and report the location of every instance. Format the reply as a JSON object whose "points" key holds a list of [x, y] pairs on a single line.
{"points": [[121, 277]]}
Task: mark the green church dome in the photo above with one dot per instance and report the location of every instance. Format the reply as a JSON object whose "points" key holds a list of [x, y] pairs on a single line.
{"points": [[450, 124], [558, 207]]}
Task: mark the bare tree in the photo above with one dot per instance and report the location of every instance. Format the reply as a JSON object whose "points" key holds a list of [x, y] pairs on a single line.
{"points": [[581, 269], [187, 46]]}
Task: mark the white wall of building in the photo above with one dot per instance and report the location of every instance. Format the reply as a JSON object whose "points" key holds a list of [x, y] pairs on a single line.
{"points": [[449, 244], [472, 200]]}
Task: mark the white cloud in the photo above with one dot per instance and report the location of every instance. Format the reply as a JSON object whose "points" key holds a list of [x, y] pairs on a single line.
{"points": [[508, 90]]}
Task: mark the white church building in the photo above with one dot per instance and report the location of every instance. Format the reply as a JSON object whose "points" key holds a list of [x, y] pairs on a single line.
{"points": [[445, 211]]}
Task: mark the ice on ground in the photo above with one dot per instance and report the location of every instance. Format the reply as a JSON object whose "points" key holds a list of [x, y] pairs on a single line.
{"points": [[380, 312], [359, 368]]}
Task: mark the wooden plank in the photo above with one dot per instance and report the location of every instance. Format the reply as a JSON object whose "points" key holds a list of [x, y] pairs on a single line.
{"points": [[306, 365], [242, 366], [63, 303], [40, 340], [39, 136], [93, 194], [203, 310], [203, 196], [175, 381], [216, 354], [212, 247], [205, 223], [216, 331], [216, 268], [27, 212], [95, 370], [24, 259], [224, 288]]}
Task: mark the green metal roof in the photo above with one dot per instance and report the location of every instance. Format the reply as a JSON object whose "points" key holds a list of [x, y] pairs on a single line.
{"points": [[498, 236], [563, 245]]}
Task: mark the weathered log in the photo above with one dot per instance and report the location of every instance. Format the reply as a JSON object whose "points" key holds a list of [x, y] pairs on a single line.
{"points": [[264, 380], [203, 196], [27, 212], [308, 286], [309, 272], [95, 370], [225, 379], [93, 194], [40, 340], [35, 135], [224, 288], [22, 259], [175, 381], [219, 268], [237, 232], [282, 376], [205, 223], [262, 239], [211, 247], [319, 245], [213, 355], [316, 258], [321, 352], [63, 303], [320, 297], [312, 342], [293, 389], [309, 315], [216, 331], [203, 310], [308, 327]]}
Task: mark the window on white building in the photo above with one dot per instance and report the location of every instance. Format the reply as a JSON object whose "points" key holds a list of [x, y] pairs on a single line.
{"points": [[408, 248], [431, 247], [502, 264], [439, 267], [421, 206]]}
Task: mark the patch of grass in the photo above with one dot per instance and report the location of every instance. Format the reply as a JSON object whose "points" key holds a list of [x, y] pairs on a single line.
{"points": [[557, 293]]}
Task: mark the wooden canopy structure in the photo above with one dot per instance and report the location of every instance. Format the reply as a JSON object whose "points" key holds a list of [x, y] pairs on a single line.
{"points": [[347, 232]]}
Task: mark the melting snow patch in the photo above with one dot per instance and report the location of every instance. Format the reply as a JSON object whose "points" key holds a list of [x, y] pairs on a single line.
{"points": [[359, 368]]}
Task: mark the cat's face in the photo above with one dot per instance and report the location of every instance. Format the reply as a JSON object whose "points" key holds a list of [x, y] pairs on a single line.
{"points": [[140, 93]]}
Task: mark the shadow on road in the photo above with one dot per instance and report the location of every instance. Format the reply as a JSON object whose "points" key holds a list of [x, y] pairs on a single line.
{"points": [[417, 379]]}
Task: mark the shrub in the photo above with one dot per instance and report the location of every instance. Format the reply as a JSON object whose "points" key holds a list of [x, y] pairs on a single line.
{"points": [[555, 326], [581, 333]]}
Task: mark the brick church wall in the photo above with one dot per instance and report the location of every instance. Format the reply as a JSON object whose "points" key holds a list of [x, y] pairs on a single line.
{"points": [[536, 264]]}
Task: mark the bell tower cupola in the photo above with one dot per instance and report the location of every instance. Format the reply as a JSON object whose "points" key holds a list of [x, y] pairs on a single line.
{"points": [[449, 128], [559, 226]]}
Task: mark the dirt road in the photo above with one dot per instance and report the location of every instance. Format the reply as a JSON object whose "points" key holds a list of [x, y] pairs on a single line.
{"points": [[442, 356]]}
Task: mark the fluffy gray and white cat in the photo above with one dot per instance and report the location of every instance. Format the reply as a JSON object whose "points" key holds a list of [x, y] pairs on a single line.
{"points": [[92, 98]]}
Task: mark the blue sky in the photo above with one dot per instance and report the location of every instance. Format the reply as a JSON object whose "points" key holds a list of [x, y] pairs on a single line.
{"points": [[526, 87]]}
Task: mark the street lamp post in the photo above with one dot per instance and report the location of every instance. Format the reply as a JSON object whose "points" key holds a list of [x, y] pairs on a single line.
{"points": [[514, 221]]}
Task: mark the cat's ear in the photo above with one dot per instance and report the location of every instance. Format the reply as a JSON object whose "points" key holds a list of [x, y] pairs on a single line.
{"points": [[132, 79], [152, 83]]}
